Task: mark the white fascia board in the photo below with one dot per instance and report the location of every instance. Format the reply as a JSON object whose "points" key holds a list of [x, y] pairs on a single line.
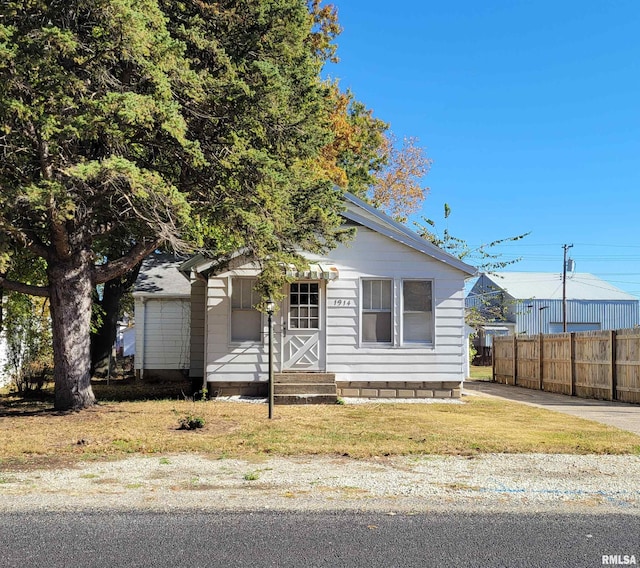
{"points": [[160, 296], [205, 266], [191, 264]]}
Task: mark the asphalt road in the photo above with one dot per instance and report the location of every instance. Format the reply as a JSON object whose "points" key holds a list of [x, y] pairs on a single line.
{"points": [[193, 540]]}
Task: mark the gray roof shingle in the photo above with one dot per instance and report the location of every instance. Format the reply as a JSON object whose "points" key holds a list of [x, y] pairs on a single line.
{"points": [[159, 276]]}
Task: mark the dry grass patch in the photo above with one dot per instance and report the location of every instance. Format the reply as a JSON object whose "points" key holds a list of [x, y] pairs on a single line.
{"points": [[35, 435]]}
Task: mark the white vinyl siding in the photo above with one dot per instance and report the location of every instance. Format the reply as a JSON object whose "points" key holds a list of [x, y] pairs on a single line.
{"points": [[371, 256], [227, 360], [417, 311], [246, 321]]}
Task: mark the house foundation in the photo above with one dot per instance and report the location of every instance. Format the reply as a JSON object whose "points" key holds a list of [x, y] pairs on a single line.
{"points": [[353, 389], [409, 389]]}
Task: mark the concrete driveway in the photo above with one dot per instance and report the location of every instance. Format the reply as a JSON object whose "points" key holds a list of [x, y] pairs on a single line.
{"points": [[619, 414]]}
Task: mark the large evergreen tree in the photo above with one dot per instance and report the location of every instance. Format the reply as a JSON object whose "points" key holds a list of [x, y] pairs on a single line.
{"points": [[155, 123]]}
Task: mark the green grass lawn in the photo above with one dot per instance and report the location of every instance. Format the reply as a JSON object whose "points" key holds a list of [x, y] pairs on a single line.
{"points": [[481, 373]]}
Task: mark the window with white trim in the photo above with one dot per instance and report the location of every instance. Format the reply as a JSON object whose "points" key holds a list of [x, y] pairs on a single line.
{"points": [[377, 311], [417, 311], [246, 321]]}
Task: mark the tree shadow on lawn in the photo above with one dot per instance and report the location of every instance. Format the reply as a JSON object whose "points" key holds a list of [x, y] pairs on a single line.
{"points": [[132, 390], [34, 404], [38, 403]]}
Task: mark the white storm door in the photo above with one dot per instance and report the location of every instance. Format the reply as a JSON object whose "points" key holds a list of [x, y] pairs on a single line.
{"points": [[303, 334]]}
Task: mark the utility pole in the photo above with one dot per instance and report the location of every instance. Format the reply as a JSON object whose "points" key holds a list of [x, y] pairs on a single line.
{"points": [[564, 288]]}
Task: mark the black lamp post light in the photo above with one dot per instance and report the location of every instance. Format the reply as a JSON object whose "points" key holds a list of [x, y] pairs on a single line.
{"points": [[270, 309]]}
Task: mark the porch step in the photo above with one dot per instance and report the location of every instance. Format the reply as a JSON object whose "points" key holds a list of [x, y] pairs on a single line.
{"points": [[304, 388], [305, 398], [303, 377]]}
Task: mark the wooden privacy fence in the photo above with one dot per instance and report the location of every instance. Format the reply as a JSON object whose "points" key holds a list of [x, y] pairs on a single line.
{"points": [[590, 364]]}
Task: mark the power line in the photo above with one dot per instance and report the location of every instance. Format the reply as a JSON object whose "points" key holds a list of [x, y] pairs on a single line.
{"points": [[550, 245]]}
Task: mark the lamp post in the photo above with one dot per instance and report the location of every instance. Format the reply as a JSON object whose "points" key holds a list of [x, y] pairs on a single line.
{"points": [[270, 309], [540, 318]]}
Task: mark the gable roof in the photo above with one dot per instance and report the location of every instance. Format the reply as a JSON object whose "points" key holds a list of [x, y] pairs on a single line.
{"points": [[360, 212], [159, 276], [548, 286]]}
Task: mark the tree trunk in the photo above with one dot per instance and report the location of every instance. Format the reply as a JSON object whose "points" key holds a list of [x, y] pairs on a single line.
{"points": [[70, 286], [102, 341]]}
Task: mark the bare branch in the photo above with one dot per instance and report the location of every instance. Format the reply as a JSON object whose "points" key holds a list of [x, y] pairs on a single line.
{"points": [[118, 267], [28, 289]]}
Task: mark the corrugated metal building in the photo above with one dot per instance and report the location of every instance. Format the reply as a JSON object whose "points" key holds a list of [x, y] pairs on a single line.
{"points": [[532, 303]]}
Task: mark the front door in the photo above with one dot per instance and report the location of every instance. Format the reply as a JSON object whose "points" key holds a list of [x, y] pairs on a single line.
{"points": [[303, 333]]}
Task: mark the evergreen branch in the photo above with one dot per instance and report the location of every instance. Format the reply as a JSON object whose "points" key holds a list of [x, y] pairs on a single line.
{"points": [[26, 239]]}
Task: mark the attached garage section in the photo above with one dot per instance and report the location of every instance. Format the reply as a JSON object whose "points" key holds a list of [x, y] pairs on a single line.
{"points": [[162, 337], [162, 319]]}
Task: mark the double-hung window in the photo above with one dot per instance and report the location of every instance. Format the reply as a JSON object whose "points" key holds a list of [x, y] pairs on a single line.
{"points": [[246, 321], [377, 310], [417, 311]]}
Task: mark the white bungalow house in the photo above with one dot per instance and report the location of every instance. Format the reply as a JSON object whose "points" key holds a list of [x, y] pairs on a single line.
{"points": [[380, 316]]}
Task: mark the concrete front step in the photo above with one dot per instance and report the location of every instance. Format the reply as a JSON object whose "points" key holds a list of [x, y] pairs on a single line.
{"points": [[296, 378], [305, 399], [304, 388]]}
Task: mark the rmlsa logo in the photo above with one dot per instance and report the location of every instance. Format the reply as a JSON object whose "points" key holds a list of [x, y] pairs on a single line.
{"points": [[619, 559]]}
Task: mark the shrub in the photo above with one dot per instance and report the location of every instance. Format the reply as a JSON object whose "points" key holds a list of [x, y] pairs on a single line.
{"points": [[191, 422]]}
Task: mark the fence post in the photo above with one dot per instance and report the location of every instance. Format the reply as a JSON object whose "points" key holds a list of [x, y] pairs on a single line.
{"points": [[540, 361], [493, 359], [572, 363], [515, 359], [612, 370]]}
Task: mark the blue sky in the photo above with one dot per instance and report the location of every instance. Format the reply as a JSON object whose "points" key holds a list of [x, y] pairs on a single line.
{"points": [[529, 111]]}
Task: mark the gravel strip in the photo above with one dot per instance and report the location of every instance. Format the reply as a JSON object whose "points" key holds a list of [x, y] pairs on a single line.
{"points": [[350, 400], [487, 482]]}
